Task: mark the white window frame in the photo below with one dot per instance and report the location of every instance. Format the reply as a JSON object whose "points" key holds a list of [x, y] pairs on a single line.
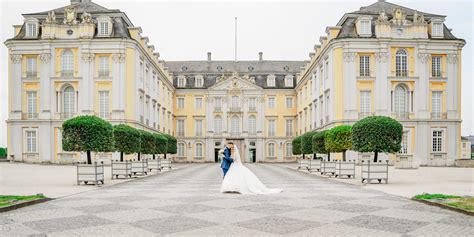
{"points": [[272, 127], [271, 102], [198, 127], [289, 102], [401, 63], [180, 102], [436, 104], [180, 126], [438, 140], [235, 101], [104, 25], [181, 149], [436, 66], [405, 144], [104, 66], [401, 100], [288, 149], [181, 81], [218, 125], [252, 125], [289, 127], [235, 125], [218, 103], [104, 104], [252, 104], [364, 65], [32, 104], [437, 28], [271, 80], [271, 149], [67, 63], [199, 81], [289, 80], [32, 66], [365, 102], [198, 150], [68, 101], [31, 140], [32, 27], [198, 103]]}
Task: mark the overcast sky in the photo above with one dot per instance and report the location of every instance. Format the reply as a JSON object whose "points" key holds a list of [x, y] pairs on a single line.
{"points": [[186, 30]]}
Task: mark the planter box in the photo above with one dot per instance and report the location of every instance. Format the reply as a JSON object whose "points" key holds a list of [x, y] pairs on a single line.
{"points": [[154, 164], [328, 168], [406, 162], [374, 171], [93, 173], [314, 165], [303, 163], [121, 168], [140, 167], [165, 163], [345, 168]]}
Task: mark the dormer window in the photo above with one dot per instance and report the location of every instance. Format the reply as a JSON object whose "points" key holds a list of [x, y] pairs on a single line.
{"points": [[437, 28], [289, 80], [271, 81], [181, 81], [104, 25], [199, 81], [364, 26], [31, 25]]}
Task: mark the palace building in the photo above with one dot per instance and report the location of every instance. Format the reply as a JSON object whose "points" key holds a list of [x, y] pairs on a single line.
{"points": [[383, 59]]}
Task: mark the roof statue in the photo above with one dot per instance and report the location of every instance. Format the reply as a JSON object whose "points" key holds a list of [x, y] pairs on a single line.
{"points": [[86, 18], [383, 18], [418, 18], [51, 18], [70, 16], [399, 18]]}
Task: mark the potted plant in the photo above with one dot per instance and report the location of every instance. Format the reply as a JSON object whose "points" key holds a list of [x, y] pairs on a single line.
{"points": [[307, 147], [296, 144], [326, 166], [161, 146], [172, 148], [376, 134], [147, 146], [338, 139], [88, 134], [127, 141]]}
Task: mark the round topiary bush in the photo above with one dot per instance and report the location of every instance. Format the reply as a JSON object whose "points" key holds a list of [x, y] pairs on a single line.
{"points": [[338, 139], [296, 144], [147, 143], [377, 134], [318, 143], [172, 144], [307, 142], [87, 134], [161, 144], [127, 140]]}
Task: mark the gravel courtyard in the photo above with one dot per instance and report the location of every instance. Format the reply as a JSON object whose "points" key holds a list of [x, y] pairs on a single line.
{"points": [[187, 202]]}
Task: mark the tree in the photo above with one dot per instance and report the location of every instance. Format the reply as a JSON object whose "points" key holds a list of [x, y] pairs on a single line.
{"points": [[377, 134], [3, 152], [161, 144], [147, 143], [296, 144], [306, 142], [172, 147], [319, 144], [87, 134], [338, 139], [127, 139]]}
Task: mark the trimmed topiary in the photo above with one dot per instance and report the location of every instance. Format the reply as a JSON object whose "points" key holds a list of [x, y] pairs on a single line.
{"points": [[161, 144], [307, 142], [296, 144], [86, 134], [172, 144], [338, 139], [3, 152], [319, 144], [377, 134], [127, 140]]}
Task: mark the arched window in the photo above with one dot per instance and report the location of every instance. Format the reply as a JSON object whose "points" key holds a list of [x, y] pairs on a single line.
{"points": [[67, 63], [401, 63], [271, 149], [199, 150], [289, 149], [181, 149], [217, 125], [401, 101], [252, 125], [235, 126], [68, 102]]}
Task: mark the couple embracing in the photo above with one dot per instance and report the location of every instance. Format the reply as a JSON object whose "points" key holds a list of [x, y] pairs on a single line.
{"points": [[237, 177]]}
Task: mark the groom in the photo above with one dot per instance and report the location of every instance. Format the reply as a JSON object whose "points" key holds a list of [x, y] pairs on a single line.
{"points": [[227, 161]]}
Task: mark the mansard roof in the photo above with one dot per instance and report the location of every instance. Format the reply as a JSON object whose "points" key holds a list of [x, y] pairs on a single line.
{"points": [[381, 5], [82, 6]]}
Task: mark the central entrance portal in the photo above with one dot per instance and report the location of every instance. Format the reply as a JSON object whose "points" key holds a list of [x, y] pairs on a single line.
{"points": [[242, 147]]}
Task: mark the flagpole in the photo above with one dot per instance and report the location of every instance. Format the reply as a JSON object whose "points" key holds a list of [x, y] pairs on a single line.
{"points": [[235, 53]]}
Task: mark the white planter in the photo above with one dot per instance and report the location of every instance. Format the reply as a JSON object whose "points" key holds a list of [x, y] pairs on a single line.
{"points": [[139, 167], [154, 164], [345, 168], [93, 173], [406, 162], [375, 171], [166, 164], [121, 168], [328, 168], [303, 163], [314, 165]]}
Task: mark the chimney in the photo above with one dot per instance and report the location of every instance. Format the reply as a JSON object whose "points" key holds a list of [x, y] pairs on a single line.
{"points": [[209, 56], [260, 56]]}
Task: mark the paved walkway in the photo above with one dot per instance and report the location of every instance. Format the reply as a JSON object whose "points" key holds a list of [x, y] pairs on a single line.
{"points": [[186, 202]]}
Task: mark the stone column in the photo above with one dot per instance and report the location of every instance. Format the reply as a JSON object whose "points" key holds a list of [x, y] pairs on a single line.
{"points": [[350, 86], [422, 87], [452, 80], [16, 87], [45, 86], [382, 83], [86, 85], [118, 86]]}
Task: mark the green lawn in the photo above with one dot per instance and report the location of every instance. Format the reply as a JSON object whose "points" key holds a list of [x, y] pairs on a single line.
{"points": [[464, 203], [8, 200], [434, 196]]}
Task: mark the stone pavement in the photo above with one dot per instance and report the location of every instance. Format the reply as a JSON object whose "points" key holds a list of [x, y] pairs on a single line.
{"points": [[187, 202]]}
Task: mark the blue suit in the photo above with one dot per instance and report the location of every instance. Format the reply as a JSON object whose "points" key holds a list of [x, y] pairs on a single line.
{"points": [[227, 161]]}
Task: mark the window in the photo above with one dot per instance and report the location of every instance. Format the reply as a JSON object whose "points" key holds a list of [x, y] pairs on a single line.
{"points": [[326, 70], [365, 103], [218, 125], [404, 144], [252, 125], [436, 104], [32, 104], [289, 149], [141, 71], [198, 149], [271, 81], [67, 63], [252, 104], [289, 127], [271, 149], [289, 102], [289, 80], [365, 27], [401, 101], [198, 103], [31, 141], [199, 81], [235, 126], [179, 126], [181, 81], [104, 104], [327, 108], [437, 139], [437, 29], [181, 149], [180, 103], [217, 104], [235, 101], [271, 102], [104, 28], [31, 66], [436, 66], [31, 29], [68, 102], [103, 66], [401, 63], [198, 127], [364, 70], [271, 127]]}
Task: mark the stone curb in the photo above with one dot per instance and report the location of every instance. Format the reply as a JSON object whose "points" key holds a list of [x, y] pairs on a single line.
{"points": [[24, 204], [470, 213]]}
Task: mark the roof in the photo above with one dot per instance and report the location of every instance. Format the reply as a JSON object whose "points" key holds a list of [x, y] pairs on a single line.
{"points": [[469, 138], [379, 6], [83, 6]]}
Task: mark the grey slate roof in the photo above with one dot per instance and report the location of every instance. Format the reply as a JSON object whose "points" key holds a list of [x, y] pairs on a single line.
{"points": [[80, 7], [379, 6]]}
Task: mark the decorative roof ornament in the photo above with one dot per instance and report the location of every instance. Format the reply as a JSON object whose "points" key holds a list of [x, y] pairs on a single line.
{"points": [[51, 18], [418, 18], [399, 18], [86, 18], [70, 15], [383, 18]]}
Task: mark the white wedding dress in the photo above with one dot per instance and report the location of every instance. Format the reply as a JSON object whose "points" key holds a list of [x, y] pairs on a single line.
{"points": [[242, 180]]}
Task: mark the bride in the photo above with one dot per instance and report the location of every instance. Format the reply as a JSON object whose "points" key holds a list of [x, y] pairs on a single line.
{"points": [[242, 180]]}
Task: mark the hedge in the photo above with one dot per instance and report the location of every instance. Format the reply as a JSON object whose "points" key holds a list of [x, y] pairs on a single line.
{"points": [[338, 139], [127, 139], [319, 143], [307, 142], [161, 143], [296, 144]]}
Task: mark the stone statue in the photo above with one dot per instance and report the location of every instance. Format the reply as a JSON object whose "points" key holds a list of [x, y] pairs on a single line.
{"points": [[399, 17], [252, 80], [383, 18], [86, 18], [418, 18], [51, 18], [70, 16]]}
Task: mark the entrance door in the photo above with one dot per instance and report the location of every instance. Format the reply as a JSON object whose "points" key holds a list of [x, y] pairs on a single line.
{"points": [[253, 155], [216, 155]]}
